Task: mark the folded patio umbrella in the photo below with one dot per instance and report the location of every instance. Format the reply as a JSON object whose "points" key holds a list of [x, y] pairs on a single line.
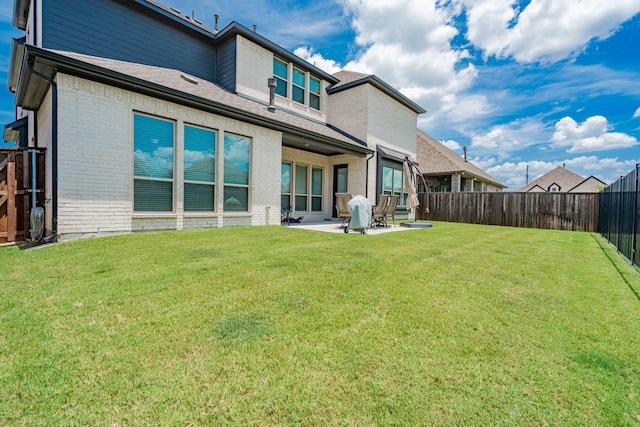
{"points": [[412, 197]]}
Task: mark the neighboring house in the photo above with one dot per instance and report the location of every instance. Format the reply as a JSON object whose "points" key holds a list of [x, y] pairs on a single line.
{"points": [[563, 180], [446, 171], [174, 125]]}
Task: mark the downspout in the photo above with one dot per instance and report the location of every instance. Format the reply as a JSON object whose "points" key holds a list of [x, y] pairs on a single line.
{"points": [[366, 181], [54, 151]]}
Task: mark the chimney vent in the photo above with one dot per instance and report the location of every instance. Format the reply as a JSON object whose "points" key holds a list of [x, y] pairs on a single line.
{"points": [[215, 17], [255, 28], [271, 83], [465, 152]]}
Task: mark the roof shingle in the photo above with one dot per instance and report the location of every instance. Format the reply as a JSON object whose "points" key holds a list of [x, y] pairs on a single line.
{"points": [[435, 158]]}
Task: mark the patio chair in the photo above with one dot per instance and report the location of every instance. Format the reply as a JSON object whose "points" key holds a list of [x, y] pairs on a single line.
{"points": [[342, 207], [391, 210], [377, 216]]}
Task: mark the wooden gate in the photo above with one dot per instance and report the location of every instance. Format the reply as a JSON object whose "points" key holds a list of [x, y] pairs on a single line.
{"points": [[15, 192]]}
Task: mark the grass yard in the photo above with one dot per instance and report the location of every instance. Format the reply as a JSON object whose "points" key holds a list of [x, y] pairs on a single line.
{"points": [[458, 325]]}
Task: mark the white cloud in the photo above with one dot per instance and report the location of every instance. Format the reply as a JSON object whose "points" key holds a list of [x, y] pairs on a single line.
{"points": [[451, 144], [637, 113], [545, 30], [408, 44], [592, 135], [508, 138], [327, 65], [514, 174]]}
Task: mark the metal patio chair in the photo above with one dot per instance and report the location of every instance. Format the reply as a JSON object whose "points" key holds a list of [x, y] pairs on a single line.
{"points": [[377, 216], [342, 207]]}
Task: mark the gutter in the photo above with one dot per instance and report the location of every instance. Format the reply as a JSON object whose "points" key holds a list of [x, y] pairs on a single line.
{"points": [[366, 182], [54, 149]]}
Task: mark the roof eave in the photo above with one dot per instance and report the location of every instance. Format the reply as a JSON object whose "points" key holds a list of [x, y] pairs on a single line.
{"points": [[467, 173], [15, 62], [20, 13], [232, 29], [31, 88], [383, 86], [179, 19]]}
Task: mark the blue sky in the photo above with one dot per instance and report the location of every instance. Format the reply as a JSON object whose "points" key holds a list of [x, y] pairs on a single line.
{"points": [[539, 83]]}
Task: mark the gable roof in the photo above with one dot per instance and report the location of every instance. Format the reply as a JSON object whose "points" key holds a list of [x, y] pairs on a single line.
{"points": [[561, 176], [588, 185], [350, 79], [435, 158], [179, 87]]}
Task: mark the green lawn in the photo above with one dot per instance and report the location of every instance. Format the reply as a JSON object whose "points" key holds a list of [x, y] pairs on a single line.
{"points": [[458, 325]]}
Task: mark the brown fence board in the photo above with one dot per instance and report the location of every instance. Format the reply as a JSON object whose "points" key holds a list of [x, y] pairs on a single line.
{"points": [[557, 211], [15, 198]]}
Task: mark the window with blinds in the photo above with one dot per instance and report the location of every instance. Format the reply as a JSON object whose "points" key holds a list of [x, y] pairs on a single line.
{"points": [[237, 155], [199, 168], [153, 141], [307, 187], [285, 186], [301, 187]]}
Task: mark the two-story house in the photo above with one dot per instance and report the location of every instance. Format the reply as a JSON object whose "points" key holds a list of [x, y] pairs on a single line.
{"points": [[153, 121]]}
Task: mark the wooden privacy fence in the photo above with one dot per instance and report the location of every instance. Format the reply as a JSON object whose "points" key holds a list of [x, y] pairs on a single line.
{"points": [[15, 192], [557, 211]]}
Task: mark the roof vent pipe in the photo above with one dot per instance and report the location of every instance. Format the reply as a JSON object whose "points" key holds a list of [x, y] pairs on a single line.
{"points": [[215, 17], [271, 83], [255, 28], [465, 152]]}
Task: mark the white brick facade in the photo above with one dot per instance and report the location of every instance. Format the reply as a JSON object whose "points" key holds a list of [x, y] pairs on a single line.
{"points": [[95, 163], [254, 65]]}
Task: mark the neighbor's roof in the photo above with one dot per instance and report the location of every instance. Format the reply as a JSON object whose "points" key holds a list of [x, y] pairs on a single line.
{"points": [[177, 86], [435, 158], [350, 79], [561, 176]]}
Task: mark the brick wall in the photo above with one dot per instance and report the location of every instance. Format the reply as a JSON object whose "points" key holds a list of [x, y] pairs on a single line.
{"points": [[390, 123], [95, 152]]}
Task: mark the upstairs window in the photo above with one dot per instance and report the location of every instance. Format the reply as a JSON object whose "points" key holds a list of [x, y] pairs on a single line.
{"points": [[296, 84], [314, 93], [281, 73]]}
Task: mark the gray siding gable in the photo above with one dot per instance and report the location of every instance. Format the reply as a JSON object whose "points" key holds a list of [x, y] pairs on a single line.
{"points": [[226, 64], [127, 31]]}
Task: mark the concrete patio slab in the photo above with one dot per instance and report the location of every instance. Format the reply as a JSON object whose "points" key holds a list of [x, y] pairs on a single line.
{"points": [[336, 227]]}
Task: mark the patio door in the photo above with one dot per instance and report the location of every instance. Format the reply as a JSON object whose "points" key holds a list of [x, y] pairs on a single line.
{"points": [[340, 173]]}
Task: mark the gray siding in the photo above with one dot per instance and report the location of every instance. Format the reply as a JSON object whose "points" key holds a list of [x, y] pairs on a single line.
{"points": [[126, 32], [226, 64]]}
